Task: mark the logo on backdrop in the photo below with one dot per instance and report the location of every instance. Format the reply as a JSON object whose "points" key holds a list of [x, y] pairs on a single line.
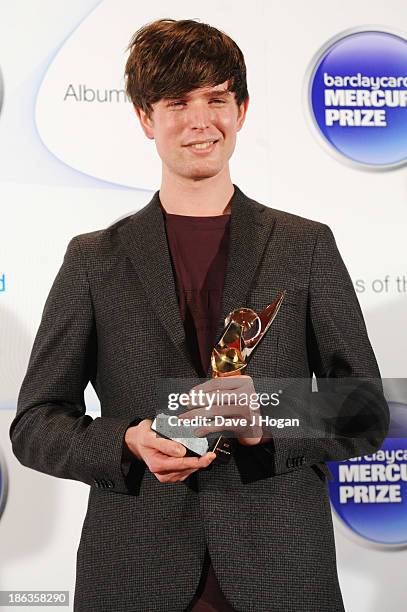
{"points": [[369, 493], [3, 483], [356, 90]]}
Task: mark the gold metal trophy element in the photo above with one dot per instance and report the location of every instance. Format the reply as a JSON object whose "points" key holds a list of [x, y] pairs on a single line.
{"points": [[244, 330]]}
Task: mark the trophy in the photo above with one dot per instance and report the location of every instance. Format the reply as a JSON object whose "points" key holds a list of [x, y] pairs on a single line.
{"points": [[244, 329]]}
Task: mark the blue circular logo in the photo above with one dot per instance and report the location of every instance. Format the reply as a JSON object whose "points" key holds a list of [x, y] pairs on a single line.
{"points": [[369, 493], [357, 97]]}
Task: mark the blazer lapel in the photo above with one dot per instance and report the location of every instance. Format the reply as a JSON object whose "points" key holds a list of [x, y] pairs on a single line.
{"points": [[144, 240], [249, 232]]}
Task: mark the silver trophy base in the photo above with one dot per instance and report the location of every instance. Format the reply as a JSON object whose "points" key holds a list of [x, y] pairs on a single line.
{"points": [[180, 433]]}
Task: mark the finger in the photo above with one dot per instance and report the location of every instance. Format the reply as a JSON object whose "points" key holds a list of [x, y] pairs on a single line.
{"points": [[225, 382], [250, 441], [226, 410], [159, 463], [172, 473], [237, 429], [189, 474], [174, 476], [225, 394], [204, 462], [166, 447]]}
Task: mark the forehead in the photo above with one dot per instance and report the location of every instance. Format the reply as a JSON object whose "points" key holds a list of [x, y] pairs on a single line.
{"points": [[220, 89]]}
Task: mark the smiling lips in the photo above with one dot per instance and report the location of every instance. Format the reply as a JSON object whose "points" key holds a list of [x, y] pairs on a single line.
{"points": [[202, 146]]}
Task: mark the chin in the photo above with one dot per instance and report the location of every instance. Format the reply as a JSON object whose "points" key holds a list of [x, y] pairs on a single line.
{"points": [[198, 174], [202, 176]]}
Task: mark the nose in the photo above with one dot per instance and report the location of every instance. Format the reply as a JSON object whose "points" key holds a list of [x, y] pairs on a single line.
{"points": [[199, 116]]}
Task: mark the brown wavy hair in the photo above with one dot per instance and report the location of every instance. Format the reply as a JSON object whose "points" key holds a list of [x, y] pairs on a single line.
{"points": [[169, 58]]}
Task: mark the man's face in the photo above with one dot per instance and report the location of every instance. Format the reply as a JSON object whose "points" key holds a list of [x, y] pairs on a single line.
{"points": [[195, 135]]}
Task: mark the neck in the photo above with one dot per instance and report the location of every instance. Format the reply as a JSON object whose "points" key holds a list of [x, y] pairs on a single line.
{"points": [[200, 198]]}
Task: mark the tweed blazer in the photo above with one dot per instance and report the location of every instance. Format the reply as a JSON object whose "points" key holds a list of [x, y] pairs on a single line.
{"points": [[112, 319]]}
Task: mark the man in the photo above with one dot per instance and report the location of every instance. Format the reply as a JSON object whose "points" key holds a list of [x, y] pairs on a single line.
{"points": [[144, 300]]}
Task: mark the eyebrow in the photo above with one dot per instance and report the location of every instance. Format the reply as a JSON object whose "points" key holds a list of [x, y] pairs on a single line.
{"points": [[208, 94], [217, 92]]}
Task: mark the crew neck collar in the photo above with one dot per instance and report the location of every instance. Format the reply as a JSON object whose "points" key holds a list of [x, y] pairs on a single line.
{"points": [[176, 216]]}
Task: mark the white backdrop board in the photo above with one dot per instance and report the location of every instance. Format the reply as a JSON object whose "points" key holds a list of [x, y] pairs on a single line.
{"points": [[74, 159]]}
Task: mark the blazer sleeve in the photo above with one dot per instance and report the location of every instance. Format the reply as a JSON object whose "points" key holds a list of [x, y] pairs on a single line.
{"points": [[51, 431], [348, 416]]}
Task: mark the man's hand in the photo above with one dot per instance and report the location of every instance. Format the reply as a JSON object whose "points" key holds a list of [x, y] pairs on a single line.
{"points": [[242, 418], [164, 458]]}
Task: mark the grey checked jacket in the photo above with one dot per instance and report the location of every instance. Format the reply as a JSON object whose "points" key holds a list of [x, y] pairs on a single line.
{"points": [[112, 318]]}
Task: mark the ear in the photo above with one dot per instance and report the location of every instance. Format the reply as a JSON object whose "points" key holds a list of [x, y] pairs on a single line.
{"points": [[146, 122], [242, 110]]}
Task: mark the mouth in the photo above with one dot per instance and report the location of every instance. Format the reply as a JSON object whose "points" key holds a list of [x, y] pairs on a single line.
{"points": [[202, 146]]}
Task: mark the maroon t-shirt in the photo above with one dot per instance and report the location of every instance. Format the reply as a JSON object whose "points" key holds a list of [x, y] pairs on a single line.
{"points": [[198, 248]]}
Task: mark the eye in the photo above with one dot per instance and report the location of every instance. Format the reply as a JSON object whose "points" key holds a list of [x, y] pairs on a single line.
{"points": [[177, 103], [218, 100]]}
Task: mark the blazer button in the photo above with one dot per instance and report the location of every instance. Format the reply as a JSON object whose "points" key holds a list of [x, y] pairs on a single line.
{"points": [[110, 484]]}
